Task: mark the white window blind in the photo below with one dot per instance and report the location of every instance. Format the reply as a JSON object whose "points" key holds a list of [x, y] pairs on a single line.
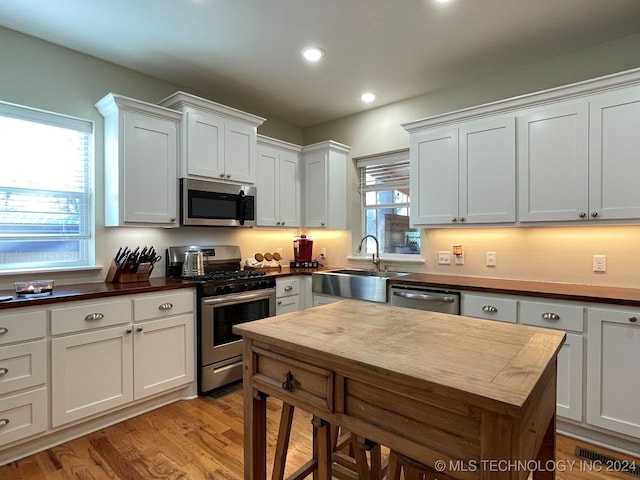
{"points": [[46, 189]]}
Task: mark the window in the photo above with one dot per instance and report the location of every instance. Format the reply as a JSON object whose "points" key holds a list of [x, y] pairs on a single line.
{"points": [[46, 190], [384, 186]]}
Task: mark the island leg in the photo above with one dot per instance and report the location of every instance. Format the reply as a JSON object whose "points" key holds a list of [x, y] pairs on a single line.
{"points": [[255, 422]]}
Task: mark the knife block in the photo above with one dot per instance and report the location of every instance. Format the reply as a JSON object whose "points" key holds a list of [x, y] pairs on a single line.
{"points": [[117, 275]]}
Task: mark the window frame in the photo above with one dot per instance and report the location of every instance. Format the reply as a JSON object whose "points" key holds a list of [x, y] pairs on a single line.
{"points": [[87, 248]]}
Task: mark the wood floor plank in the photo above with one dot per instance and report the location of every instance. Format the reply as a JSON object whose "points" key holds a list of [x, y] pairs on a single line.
{"points": [[202, 439]]}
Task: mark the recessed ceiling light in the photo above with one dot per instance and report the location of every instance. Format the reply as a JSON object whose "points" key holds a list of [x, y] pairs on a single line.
{"points": [[368, 97], [313, 54]]}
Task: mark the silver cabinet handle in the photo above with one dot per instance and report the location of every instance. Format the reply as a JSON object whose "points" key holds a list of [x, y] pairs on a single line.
{"points": [[288, 288], [228, 175], [4, 371], [322, 224], [279, 302], [454, 220], [222, 175], [94, 316], [489, 309], [3, 330], [138, 329], [550, 316], [462, 219], [594, 214], [165, 306], [4, 421], [128, 330], [633, 319], [277, 223], [582, 214]]}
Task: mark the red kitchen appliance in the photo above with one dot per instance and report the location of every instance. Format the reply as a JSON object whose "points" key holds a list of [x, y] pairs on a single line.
{"points": [[302, 248]]}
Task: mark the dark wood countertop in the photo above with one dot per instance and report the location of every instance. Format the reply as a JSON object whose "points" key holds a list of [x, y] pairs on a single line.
{"points": [[552, 290], [88, 291]]}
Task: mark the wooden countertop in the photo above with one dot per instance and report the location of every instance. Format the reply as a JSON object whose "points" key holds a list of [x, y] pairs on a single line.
{"points": [[490, 363], [88, 291], [554, 290]]}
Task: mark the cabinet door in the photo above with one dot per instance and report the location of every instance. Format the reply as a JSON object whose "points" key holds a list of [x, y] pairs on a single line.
{"points": [[434, 177], [163, 355], [267, 188], [612, 370], [90, 373], [315, 201], [150, 170], [553, 163], [287, 304], [569, 389], [240, 152], [204, 152], [289, 189], [487, 181], [24, 414], [614, 168]]}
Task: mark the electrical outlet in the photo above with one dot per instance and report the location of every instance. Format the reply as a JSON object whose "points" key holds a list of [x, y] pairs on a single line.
{"points": [[599, 263], [444, 258], [491, 259], [323, 252], [459, 259]]}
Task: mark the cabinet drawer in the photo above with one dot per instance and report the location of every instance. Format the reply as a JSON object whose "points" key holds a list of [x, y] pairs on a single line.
{"points": [[552, 315], [22, 366], [26, 325], [23, 415], [288, 305], [87, 316], [162, 305], [490, 307], [287, 286], [296, 382]]}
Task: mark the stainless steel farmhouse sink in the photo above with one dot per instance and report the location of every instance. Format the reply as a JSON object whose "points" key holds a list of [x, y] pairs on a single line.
{"points": [[352, 283]]}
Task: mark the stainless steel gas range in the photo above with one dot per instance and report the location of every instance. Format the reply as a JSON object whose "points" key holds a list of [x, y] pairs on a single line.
{"points": [[226, 296]]}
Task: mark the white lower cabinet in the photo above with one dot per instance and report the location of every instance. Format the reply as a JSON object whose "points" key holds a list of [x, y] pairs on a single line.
{"points": [[613, 389], [96, 368], [288, 295], [569, 317], [24, 407]]}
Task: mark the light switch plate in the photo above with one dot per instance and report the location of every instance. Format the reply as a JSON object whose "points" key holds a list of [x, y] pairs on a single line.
{"points": [[444, 257]]}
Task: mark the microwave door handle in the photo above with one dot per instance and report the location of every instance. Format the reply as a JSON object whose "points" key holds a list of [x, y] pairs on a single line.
{"points": [[241, 207]]}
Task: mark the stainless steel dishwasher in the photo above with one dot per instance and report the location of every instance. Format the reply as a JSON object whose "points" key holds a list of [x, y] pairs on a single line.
{"points": [[422, 298]]}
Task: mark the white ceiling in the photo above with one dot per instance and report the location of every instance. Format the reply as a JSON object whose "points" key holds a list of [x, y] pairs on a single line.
{"points": [[246, 53]]}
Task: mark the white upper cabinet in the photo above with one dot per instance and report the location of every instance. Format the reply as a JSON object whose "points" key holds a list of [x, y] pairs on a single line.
{"points": [[325, 185], [140, 164], [464, 173], [553, 160], [218, 142], [278, 183], [614, 165]]}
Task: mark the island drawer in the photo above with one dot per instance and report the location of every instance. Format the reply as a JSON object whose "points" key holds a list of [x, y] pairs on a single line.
{"points": [[22, 366], [490, 307], [552, 315], [27, 325], [287, 286], [296, 382], [87, 316], [146, 307]]}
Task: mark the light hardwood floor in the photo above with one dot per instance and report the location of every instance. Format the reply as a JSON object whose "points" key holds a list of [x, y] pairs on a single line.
{"points": [[199, 439]]}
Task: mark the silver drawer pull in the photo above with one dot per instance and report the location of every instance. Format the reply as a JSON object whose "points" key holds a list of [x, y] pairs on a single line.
{"points": [[3, 330], [489, 309], [633, 319], [288, 288], [550, 316], [4, 421], [165, 306], [94, 316], [4, 371]]}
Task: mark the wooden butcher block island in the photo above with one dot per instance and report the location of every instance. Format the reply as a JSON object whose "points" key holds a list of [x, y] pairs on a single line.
{"points": [[477, 397]]}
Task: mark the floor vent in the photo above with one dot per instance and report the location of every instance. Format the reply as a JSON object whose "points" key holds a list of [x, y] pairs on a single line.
{"points": [[608, 462]]}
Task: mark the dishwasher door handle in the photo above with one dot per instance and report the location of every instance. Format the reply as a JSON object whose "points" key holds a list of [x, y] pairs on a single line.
{"points": [[425, 297]]}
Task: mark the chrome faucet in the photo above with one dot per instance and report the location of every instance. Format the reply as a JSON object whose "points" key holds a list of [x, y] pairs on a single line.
{"points": [[376, 256]]}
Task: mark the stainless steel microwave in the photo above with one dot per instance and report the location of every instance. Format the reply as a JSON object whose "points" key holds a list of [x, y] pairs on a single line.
{"points": [[217, 204]]}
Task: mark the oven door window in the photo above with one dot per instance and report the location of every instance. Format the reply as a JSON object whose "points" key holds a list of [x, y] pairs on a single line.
{"points": [[226, 316]]}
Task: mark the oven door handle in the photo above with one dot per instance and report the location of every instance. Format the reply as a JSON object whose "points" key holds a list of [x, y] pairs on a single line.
{"points": [[239, 297]]}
